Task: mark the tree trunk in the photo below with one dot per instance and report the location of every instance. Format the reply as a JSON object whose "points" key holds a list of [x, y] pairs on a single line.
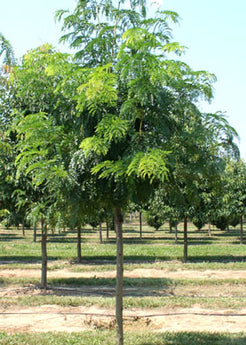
{"points": [[35, 233], [23, 228], [176, 233], [209, 229], [119, 274], [140, 225], [107, 231], [100, 233], [79, 259], [44, 255], [185, 240], [170, 227], [241, 230]]}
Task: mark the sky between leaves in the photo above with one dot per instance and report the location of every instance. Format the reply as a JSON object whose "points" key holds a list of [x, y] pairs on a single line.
{"points": [[213, 31]]}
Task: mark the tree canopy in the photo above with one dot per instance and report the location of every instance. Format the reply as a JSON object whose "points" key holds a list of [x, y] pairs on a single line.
{"points": [[116, 123]]}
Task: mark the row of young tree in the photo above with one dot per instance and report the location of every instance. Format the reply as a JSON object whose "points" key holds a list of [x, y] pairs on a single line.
{"points": [[221, 206], [118, 122]]}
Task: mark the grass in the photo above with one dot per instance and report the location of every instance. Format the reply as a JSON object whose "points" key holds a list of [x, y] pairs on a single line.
{"points": [[145, 301], [25, 251], [156, 251], [108, 338]]}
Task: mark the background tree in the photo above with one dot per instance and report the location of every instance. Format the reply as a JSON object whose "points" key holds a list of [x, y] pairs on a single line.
{"points": [[7, 53], [234, 197]]}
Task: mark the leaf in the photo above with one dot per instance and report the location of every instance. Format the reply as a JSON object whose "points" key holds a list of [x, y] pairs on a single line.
{"points": [[99, 89], [151, 165], [174, 47], [110, 169], [112, 127], [94, 144]]}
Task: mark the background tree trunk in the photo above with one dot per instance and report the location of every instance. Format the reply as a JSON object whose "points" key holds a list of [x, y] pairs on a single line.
{"points": [[209, 229], [23, 227], [79, 259], [140, 225], [44, 255], [100, 233], [241, 230], [119, 272], [176, 233], [170, 226], [34, 232], [107, 231], [185, 240]]}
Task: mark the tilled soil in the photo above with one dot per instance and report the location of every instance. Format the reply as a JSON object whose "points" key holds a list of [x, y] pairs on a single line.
{"points": [[50, 318], [74, 319]]}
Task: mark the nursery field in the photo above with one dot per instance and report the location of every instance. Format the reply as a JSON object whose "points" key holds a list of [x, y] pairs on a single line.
{"points": [[166, 301]]}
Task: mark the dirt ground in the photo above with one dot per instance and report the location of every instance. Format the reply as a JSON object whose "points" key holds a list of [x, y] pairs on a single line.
{"points": [[74, 319], [136, 273], [55, 318]]}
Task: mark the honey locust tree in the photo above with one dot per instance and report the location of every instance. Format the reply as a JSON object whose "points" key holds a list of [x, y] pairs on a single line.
{"points": [[47, 133], [133, 93], [6, 53], [198, 162], [234, 193]]}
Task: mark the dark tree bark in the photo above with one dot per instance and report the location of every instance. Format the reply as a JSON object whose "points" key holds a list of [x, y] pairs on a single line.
{"points": [[176, 233], [44, 255], [209, 229], [241, 229], [107, 231], [119, 274], [140, 225], [185, 240], [23, 227], [79, 258], [35, 233], [100, 233], [170, 226]]}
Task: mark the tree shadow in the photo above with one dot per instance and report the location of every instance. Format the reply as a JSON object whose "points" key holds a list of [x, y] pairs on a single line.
{"points": [[101, 260], [217, 258], [128, 282], [10, 237], [193, 338], [28, 259], [105, 287]]}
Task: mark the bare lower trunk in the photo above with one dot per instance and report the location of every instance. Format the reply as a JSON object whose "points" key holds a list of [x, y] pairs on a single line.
{"points": [[23, 228], [79, 259], [44, 255], [185, 240], [209, 229], [107, 231], [170, 226], [140, 225], [34, 233], [176, 233], [119, 272], [241, 230], [100, 233]]}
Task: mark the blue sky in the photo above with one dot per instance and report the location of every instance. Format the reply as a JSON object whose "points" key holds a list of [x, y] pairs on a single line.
{"points": [[213, 30]]}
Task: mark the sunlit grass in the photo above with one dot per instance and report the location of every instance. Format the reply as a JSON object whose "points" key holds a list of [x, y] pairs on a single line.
{"points": [[105, 337]]}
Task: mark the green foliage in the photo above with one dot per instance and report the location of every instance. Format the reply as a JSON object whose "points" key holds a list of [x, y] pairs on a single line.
{"points": [[112, 128], [35, 157], [95, 144], [7, 51], [151, 165], [116, 122], [98, 90], [154, 220]]}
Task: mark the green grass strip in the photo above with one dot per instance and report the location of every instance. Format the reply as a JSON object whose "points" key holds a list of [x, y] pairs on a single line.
{"points": [[109, 338]]}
